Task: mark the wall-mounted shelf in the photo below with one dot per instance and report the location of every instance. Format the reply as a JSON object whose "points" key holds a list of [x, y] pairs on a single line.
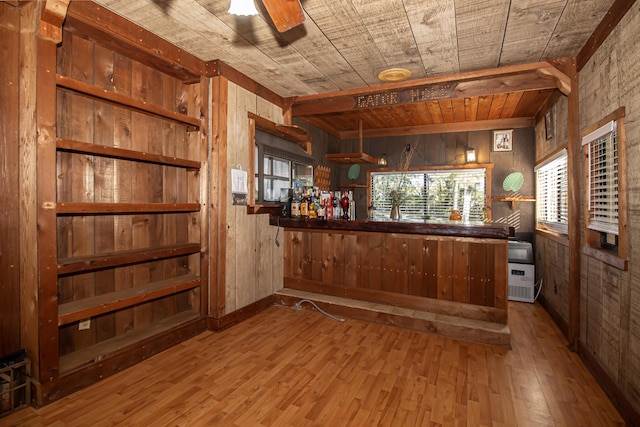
{"points": [[352, 158], [513, 199], [353, 186]]}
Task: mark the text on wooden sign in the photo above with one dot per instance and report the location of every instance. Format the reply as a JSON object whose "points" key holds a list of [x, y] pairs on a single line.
{"points": [[408, 96]]}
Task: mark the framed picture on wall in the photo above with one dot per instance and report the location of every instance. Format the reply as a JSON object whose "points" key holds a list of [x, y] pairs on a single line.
{"points": [[503, 140]]}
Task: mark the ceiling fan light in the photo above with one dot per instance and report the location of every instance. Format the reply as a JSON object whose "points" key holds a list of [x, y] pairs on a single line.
{"points": [[242, 8]]}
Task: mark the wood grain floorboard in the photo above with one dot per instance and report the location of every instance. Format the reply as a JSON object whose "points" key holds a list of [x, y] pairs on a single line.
{"points": [[285, 367]]}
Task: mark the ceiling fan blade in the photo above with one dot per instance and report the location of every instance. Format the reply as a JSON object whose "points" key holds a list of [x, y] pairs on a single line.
{"points": [[285, 14]]}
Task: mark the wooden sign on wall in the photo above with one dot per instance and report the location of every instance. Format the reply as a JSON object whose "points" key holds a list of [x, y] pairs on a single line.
{"points": [[408, 96]]}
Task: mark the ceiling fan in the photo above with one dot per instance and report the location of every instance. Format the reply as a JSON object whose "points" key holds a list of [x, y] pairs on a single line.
{"points": [[285, 14]]}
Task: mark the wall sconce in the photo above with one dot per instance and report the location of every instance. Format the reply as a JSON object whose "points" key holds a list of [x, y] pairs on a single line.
{"points": [[382, 160], [471, 155], [243, 8]]}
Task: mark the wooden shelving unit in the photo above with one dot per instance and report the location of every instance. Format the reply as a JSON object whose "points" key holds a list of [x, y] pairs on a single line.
{"points": [[121, 243], [352, 158]]}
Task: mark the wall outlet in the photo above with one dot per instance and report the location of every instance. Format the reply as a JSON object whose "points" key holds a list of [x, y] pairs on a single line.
{"points": [[85, 324]]}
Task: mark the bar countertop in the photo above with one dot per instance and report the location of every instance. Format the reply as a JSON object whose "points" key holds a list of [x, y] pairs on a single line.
{"points": [[427, 227]]}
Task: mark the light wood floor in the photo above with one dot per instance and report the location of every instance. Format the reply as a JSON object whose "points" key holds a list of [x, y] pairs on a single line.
{"points": [[296, 368]]}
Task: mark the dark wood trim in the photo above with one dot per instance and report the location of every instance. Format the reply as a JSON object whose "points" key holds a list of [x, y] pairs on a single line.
{"points": [[244, 313], [218, 68], [115, 32], [90, 374], [513, 123], [219, 185], [46, 365], [611, 389], [557, 319], [574, 160], [615, 14]]}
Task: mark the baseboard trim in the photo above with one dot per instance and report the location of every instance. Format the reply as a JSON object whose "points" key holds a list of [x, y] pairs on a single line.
{"points": [[557, 319], [611, 389], [244, 313]]}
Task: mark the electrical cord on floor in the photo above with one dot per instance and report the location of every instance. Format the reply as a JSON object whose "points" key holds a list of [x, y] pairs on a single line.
{"points": [[539, 289], [278, 232], [298, 306]]}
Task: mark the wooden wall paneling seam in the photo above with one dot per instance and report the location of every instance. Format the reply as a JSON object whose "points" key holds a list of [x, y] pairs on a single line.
{"points": [[46, 356]]}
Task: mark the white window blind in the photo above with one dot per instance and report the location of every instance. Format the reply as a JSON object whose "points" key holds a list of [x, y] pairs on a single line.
{"points": [[432, 194], [552, 202], [603, 178]]}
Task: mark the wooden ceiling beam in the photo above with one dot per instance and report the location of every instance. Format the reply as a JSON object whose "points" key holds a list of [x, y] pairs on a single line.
{"points": [[53, 14], [514, 123], [497, 81]]}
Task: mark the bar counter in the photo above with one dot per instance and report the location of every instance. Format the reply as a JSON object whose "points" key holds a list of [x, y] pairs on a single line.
{"points": [[428, 227], [453, 268]]}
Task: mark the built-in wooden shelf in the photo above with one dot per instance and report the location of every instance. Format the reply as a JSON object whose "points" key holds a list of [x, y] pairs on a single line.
{"points": [[104, 349], [353, 186], [351, 158], [117, 259], [124, 154], [90, 307], [291, 133], [262, 209], [78, 208], [513, 199], [126, 101]]}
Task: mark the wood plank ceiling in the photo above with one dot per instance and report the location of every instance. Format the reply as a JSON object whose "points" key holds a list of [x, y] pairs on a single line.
{"points": [[344, 44]]}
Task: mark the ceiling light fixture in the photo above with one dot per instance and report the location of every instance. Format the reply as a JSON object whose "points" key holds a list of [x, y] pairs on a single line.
{"points": [[242, 8], [394, 75]]}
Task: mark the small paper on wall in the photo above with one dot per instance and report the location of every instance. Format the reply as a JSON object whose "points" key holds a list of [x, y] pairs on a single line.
{"points": [[239, 189]]}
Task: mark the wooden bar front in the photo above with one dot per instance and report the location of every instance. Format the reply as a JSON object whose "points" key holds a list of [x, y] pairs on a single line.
{"points": [[435, 269]]}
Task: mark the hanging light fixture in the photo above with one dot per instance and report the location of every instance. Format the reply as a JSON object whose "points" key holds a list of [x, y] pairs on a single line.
{"points": [[382, 160], [471, 155], [243, 8]]}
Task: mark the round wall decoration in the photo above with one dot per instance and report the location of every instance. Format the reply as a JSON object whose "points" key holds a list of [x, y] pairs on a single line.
{"points": [[354, 171], [513, 181]]}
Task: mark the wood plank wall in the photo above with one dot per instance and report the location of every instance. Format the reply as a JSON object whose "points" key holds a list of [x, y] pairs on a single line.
{"points": [[9, 178], [609, 298], [253, 263]]}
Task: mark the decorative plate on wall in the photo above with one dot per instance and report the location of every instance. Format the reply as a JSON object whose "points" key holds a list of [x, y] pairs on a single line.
{"points": [[354, 171], [513, 181]]}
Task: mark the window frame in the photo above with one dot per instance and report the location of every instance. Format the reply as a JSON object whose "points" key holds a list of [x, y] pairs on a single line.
{"points": [[558, 228], [298, 139], [488, 167], [595, 244]]}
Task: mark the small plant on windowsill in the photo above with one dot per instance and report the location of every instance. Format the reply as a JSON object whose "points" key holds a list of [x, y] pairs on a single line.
{"points": [[402, 189]]}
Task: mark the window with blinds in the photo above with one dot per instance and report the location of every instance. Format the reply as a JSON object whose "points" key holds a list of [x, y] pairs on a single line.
{"points": [[430, 194], [602, 193], [552, 202]]}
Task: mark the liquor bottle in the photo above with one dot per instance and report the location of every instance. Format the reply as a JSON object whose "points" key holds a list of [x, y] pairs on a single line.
{"points": [[304, 204], [295, 203], [352, 206]]}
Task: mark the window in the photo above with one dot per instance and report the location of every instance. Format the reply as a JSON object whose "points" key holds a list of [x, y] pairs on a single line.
{"points": [[605, 214], [431, 194], [552, 202], [278, 165]]}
